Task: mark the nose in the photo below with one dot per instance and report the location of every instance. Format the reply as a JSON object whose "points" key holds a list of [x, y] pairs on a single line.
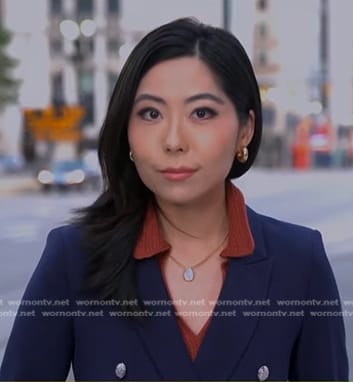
{"points": [[175, 139]]}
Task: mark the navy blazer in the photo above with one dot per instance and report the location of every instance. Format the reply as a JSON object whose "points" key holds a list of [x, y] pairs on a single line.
{"points": [[251, 329]]}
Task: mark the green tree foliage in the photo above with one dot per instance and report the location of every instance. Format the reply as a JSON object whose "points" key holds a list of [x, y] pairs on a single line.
{"points": [[8, 85]]}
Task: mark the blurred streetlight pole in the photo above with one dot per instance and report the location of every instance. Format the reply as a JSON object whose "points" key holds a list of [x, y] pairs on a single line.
{"points": [[226, 14], [324, 49]]}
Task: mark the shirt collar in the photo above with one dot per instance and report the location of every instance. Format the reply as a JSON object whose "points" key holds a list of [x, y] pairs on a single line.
{"points": [[240, 240]]}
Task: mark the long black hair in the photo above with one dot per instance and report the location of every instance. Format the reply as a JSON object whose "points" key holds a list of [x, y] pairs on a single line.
{"points": [[112, 224]]}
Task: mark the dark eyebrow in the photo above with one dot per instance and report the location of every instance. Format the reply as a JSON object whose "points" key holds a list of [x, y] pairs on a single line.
{"points": [[196, 97], [202, 96], [149, 97]]}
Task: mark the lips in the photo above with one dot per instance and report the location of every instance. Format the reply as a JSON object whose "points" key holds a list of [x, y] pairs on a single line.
{"points": [[178, 170], [179, 173]]}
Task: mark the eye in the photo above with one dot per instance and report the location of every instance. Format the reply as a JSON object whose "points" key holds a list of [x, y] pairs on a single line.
{"points": [[204, 113], [149, 114]]}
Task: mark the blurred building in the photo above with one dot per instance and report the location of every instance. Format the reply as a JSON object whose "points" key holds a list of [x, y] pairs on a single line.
{"points": [[265, 40], [84, 39]]}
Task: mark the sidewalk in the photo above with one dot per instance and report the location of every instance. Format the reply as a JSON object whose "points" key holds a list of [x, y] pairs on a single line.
{"points": [[11, 184]]}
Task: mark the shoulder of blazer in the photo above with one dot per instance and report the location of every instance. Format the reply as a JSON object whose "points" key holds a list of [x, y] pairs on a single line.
{"points": [[64, 247], [69, 232], [293, 243], [282, 228], [70, 235]]}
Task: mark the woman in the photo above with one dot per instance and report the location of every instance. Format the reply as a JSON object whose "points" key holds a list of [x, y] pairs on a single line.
{"points": [[169, 275]]}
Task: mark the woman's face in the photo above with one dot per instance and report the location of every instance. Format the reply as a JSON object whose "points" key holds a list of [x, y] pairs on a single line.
{"points": [[184, 131]]}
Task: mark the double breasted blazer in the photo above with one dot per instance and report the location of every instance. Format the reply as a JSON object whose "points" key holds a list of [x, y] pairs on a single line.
{"points": [[278, 317]]}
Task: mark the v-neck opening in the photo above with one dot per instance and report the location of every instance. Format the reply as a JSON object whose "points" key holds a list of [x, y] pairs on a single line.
{"points": [[181, 323]]}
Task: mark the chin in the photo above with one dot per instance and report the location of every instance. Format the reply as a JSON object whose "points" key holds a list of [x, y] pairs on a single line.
{"points": [[175, 198], [180, 195]]}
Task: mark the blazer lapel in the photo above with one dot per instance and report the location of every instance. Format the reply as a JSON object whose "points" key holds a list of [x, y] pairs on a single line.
{"points": [[230, 331], [160, 334]]}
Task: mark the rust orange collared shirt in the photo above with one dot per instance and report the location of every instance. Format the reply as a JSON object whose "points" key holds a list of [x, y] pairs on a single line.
{"points": [[240, 243]]}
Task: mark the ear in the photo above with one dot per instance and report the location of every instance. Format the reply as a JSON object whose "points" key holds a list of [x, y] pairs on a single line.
{"points": [[246, 131]]}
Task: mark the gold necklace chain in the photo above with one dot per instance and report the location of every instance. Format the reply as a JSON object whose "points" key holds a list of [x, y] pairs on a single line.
{"points": [[189, 273], [178, 228], [174, 226]]}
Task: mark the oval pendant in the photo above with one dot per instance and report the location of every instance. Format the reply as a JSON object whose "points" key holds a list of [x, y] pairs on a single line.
{"points": [[188, 274]]}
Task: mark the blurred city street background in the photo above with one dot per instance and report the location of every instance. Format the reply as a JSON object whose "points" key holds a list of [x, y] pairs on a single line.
{"points": [[58, 68]]}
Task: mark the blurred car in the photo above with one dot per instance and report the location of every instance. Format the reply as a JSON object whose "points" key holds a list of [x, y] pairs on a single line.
{"points": [[10, 163], [65, 174]]}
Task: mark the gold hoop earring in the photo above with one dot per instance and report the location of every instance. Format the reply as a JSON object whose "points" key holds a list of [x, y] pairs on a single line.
{"points": [[242, 155], [131, 157]]}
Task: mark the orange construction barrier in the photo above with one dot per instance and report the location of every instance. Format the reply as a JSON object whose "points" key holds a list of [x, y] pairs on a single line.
{"points": [[301, 148], [301, 156]]}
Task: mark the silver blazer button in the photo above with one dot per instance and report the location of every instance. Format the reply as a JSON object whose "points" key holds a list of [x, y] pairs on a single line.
{"points": [[120, 370], [263, 373]]}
